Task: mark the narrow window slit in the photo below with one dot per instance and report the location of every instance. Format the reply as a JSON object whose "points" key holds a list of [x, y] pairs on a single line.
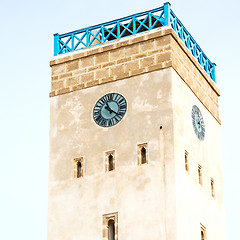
{"points": [[142, 155], [78, 167], [200, 174], [203, 232], [109, 161], [212, 188], [186, 161], [111, 230]]}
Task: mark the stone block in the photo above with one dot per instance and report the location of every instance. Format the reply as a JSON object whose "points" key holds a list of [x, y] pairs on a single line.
{"points": [[78, 87], [58, 69], [130, 66], [166, 56], [147, 46], [148, 61], [73, 65], [123, 60], [117, 54], [132, 50], [87, 61], [141, 55], [116, 70], [55, 78], [57, 85], [106, 80], [102, 58], [87, 77], [102, 73], [162, 41], [92, 83], [72, 81], [65, 75], [63, 90]]}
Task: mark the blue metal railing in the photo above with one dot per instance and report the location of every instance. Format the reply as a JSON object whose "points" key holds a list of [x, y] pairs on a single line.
{"points": [[192, 45], [132, 25]]}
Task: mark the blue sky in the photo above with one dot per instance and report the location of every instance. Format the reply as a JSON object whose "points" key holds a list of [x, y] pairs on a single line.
{"points": [[26, 41]]}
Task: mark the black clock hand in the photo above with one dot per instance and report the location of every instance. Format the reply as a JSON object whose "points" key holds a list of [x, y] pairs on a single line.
{"points": [[108, 108]]}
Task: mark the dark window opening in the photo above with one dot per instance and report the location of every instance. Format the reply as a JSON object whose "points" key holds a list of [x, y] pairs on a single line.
{"points": [[143, 155], [110, 163], [111, 230], [212, 188], [186, 161], [79, 169], [200, 174]]}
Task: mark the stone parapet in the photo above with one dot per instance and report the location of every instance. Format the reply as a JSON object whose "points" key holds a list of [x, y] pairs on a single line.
{"points": [[150, 51]]}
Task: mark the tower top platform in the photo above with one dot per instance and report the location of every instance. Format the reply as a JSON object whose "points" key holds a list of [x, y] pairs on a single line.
{"points": [[132, 25]]}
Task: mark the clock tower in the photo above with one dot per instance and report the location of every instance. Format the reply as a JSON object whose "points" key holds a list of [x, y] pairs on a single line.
{"points": [[134, 133]]}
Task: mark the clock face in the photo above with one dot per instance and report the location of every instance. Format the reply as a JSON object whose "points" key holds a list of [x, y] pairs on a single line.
{"points": [[198, 123], [109, 109]]}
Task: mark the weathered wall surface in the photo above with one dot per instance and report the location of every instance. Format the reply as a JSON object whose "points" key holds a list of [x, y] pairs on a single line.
{"points": [[195, 203], [137, 193]]}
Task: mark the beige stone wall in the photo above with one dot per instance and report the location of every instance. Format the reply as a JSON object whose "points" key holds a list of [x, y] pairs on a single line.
{"points": [[160, 81], [136, 192], [195, 204]]}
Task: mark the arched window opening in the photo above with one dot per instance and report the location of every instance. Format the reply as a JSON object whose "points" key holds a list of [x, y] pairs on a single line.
{"points": [[143, 155], [111, 230], [79, 169], [110, 162]]}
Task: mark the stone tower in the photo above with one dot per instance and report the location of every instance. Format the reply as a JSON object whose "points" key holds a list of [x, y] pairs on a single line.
{"points": [[134, 134]]}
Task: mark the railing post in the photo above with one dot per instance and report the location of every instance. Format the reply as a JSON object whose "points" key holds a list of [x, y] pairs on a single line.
{"points": [[214, 72], [56, 44], [166, 10]]}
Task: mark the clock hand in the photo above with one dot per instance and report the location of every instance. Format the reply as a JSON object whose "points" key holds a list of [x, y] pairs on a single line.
{"points": [[108, 108], [114, 112]]}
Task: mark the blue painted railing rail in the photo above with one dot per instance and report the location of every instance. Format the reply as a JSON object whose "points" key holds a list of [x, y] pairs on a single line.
{"points": [[131, 25]]}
